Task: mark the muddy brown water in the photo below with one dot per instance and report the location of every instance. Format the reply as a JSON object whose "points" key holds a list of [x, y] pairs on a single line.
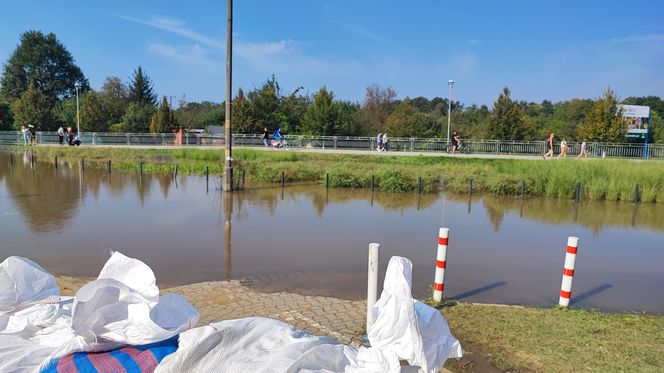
{"points": [[312, 241]]}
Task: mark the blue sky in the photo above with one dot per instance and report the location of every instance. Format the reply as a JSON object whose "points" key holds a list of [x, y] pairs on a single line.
{"points": [[554, 50]]}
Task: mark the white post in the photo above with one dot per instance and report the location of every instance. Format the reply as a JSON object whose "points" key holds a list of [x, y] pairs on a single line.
{"points": [[372, 282], [568, 271], [441, 258]]}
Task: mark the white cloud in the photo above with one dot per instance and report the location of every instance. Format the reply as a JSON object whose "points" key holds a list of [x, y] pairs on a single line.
{"points": [[276, 57], [650, 38], [177, 27], [190, 54]]}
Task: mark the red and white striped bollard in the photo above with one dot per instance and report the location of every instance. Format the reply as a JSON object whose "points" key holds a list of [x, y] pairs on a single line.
{"points": [[441, 258], [568, 271]]}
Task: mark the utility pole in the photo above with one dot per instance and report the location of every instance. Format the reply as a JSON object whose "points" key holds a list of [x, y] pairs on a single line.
{"points": [[228, 163]]}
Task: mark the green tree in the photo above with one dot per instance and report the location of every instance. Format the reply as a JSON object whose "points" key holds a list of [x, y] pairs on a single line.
{"points": [[378, 105], [242, 122], [45, 62], [322, 116], [604, 122], [347, 121], [406, 121], [65, 112], [162, 120], [507, 118], [6, 117], [200, 115], [656, 130], [114, 96], [32, 108], [94, 116], [264, 107], [137, 117], [141, 90]]}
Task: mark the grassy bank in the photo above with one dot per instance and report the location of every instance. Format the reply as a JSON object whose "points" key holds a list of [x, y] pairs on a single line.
{"points": [[600, 179], [553, 340]]}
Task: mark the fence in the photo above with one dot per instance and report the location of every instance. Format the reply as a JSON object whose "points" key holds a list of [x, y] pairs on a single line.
{"points": [[504, 147]]}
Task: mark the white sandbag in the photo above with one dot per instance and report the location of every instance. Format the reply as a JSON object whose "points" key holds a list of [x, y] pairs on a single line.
{"points": [[410, 329], [24, 282], [122, 307], [263, 345]]}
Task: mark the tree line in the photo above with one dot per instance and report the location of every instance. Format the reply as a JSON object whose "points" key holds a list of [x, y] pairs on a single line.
{"points": [[37, 88]]}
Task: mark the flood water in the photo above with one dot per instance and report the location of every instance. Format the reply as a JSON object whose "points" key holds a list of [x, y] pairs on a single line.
{"points": [[304, 239]]}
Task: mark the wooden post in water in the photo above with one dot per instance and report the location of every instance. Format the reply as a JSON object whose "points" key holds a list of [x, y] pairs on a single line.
{"points": [[419, 184], [140, 168], [32, 160], [283, 179], [372, 183], [109, 166], [175, 172], [636, 194], [243, 175], [56, 162], [82, 164], [11, 159], [327, 181], [470, 187], [523, 188], [207, 174], [578, 192]]}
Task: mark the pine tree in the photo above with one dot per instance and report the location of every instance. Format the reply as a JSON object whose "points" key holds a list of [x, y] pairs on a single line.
{"points": [[141, 89], [604, 122], [162, 120], [322, 115], [507, 121]]}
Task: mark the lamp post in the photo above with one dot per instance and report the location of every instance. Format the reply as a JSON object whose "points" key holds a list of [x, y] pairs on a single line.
{"points": [[77, 85], [450, 83]]}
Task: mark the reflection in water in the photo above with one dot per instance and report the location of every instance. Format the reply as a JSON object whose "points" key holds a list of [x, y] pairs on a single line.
{"points": [[505, 249], [228, 214]]}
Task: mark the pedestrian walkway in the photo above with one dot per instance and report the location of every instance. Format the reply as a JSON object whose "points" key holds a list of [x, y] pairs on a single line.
{"points": [[341, 319]]}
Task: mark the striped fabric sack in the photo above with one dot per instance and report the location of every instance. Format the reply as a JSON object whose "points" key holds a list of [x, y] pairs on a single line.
{"points": [[130, 359]]}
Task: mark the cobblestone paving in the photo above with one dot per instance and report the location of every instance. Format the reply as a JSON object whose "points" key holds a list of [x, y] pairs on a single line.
{"points": [[343, 320]]}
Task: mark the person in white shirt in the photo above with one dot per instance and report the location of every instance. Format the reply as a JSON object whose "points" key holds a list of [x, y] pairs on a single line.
{"points": [[385, 147], [61, 135]]}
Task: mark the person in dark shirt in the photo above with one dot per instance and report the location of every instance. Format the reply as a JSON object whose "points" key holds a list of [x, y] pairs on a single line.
{"points": [[266, 137]]}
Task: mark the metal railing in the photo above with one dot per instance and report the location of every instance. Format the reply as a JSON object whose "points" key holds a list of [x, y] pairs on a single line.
{"points": [[499, 147]]}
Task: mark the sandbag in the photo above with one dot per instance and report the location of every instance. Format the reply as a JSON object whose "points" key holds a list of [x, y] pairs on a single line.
{"points": [[408, 328]]}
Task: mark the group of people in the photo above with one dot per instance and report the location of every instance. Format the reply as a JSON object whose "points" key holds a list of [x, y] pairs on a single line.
{"points": [[279, 140], [563, 148], [382, 142], [72, 137], [29, 135]]}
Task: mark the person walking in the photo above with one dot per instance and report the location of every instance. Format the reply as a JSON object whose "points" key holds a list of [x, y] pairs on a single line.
{"points": [[33, 135], [563, 149], [584, 152], [379, 142], [24, 132], [61, 135], [549, 146], [385, 140], [266, 137]]}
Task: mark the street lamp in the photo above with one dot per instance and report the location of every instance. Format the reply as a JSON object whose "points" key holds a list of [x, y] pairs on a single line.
{"points": [[77, 85], [450, 83]]}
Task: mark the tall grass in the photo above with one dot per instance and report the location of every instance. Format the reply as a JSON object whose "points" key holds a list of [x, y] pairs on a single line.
{"points": [[600, 179]]}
